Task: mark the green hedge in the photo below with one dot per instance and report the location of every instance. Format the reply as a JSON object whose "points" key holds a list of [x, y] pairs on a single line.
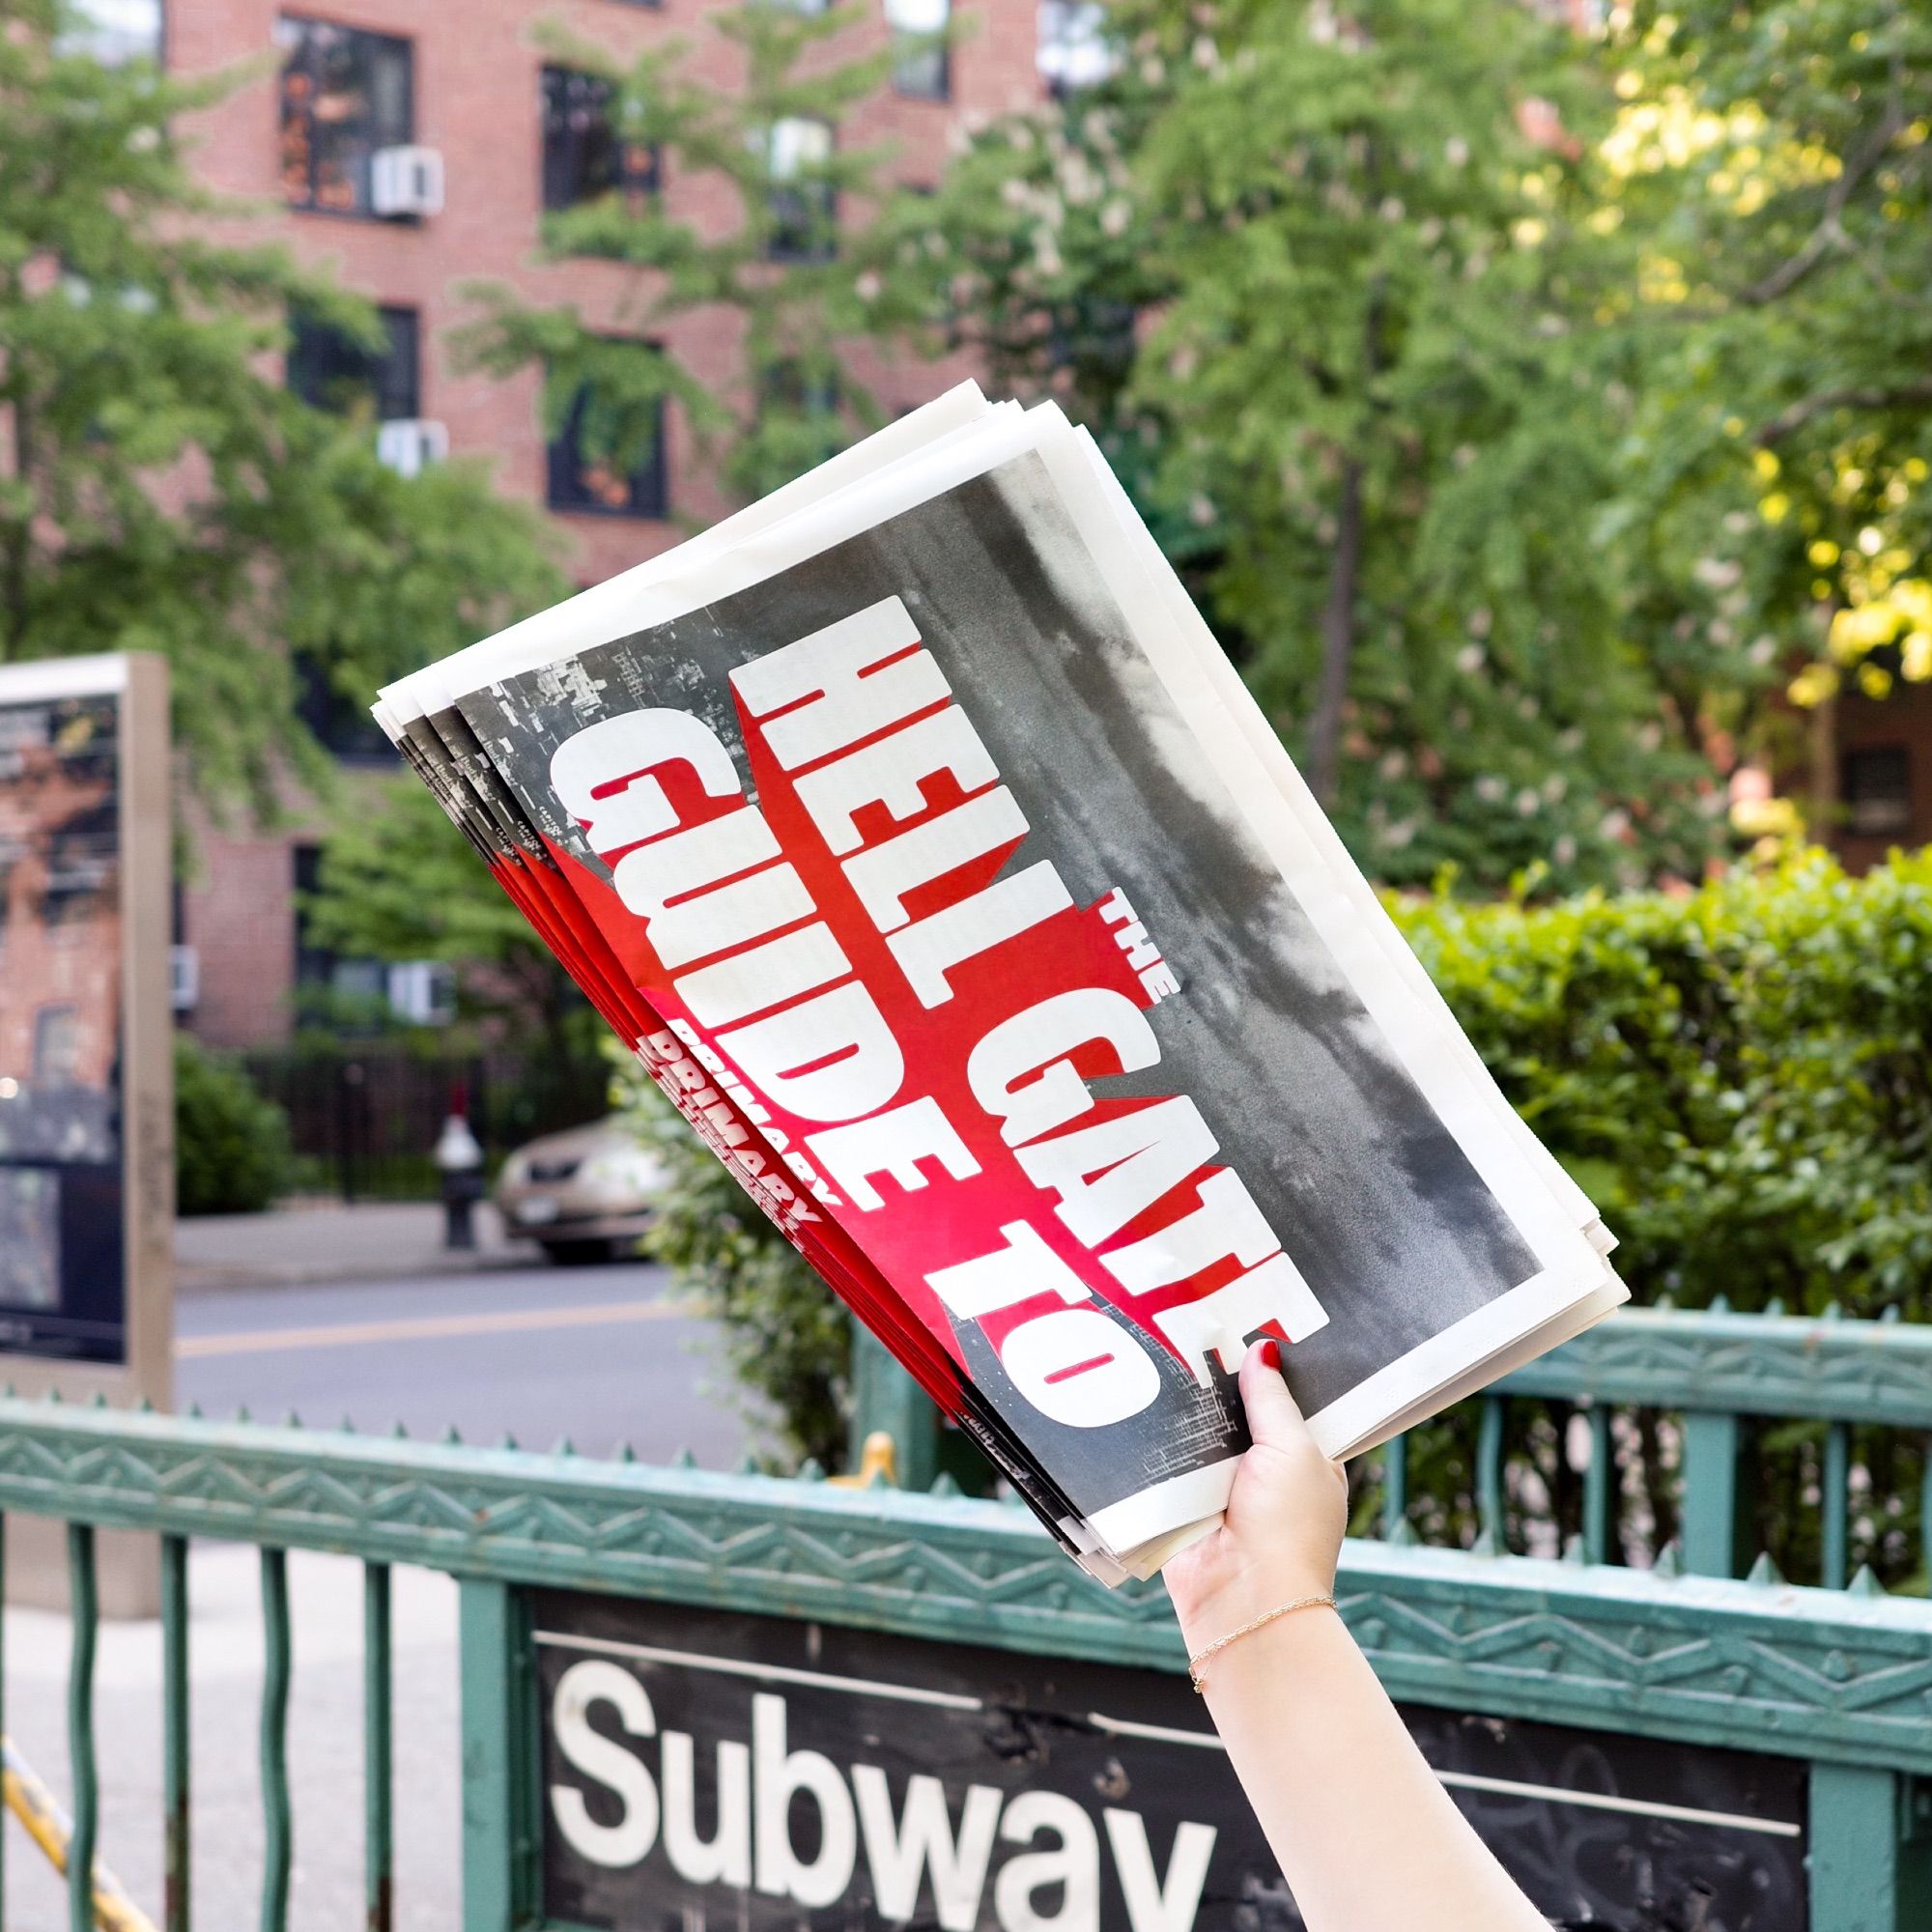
{"points": [[1741, 1075], [231, 1145]]}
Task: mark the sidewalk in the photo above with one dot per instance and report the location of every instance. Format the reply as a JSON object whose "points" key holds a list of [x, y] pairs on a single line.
{"points": [[374, 1241]]}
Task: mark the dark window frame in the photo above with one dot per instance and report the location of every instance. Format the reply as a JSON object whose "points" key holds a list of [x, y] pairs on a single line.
{"points": [[806, 234], [1888, 802], [584, 162], [322, 359], [303, 40], [569, 491], [923, 72]]}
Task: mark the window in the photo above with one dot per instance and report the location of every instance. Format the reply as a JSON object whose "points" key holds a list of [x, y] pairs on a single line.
{"points": [[114, 31], [1072, 51], [57, 1046], [583, 156], [1878, 791], [335, 372], [922, 61], [339, 723], [345, 93], [594, 484], [805, 203]]}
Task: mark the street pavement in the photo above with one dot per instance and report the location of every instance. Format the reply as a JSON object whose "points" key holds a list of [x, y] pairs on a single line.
{"points": [[603, 1355]]}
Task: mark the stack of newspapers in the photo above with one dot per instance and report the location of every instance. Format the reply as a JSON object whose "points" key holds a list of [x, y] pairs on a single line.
{"points": [[917, 834]]}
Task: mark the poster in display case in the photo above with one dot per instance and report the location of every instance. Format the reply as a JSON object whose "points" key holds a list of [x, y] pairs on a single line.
{"points": [[86, 1101]]}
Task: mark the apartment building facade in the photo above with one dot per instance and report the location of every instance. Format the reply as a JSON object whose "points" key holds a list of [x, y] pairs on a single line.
{"points": [[413, 148]]}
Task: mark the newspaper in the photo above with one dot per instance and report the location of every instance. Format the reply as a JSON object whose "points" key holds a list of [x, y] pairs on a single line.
{"points": [[916, 833]]}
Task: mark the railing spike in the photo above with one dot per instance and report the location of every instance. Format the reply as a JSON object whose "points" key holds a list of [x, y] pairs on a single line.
{"points": [[100, 1399], [242, 1413], [1835, 1310], [564, 1446], [1402, 1536], [347, 1424], [684, 1460], [11, 1391], [1720, 1305], [812, 1470], [194, 1411], [1776, 1305], [398, 1432], [509, 1442], [54, 1395], [292, 1420], [1665, 1300], [145, 1407], [1573, 1550], [625, 1453], [1670, 1563], [1889, 1313], [943, 1484], [1764, 1573], [748, 1465], [1866, 1584], [452, 1437]]}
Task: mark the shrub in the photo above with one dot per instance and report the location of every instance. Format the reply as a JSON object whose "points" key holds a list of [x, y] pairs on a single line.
{"points": [[1741, 1076], [231, 1146]]}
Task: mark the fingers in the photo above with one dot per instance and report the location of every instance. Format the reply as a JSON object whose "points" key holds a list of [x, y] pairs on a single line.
{"points": [[1272, 1415]]}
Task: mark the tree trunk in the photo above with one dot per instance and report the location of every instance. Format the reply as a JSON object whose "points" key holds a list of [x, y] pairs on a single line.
{"points": [[1338, 641]]}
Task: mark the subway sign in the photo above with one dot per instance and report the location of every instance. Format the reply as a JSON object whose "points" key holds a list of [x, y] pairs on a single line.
{"points": [[703, 1770]]}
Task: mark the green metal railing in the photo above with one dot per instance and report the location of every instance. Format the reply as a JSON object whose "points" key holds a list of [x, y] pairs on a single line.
{"points": [[1769, 1423], [1842, 1680]]}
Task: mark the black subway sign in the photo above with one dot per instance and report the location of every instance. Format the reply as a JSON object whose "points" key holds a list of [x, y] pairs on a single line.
{"points": [[702, 1770]]}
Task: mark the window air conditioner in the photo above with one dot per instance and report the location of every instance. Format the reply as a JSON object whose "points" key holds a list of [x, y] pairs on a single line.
{"points": [[406, 181], [406, 445], [184, 978]]}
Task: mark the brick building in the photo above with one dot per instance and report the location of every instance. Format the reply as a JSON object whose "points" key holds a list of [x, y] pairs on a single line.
{"points": [[349, 82]]}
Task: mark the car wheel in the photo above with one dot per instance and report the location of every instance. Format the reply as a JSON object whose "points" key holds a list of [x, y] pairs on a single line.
{"points": [[578, 1254]]}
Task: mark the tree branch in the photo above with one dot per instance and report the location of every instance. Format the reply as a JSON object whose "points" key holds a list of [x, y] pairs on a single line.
{"points": [[1790, 420]]}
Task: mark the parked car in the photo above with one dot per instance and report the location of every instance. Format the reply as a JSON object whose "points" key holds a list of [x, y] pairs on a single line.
{"points": [[586, 1194]]}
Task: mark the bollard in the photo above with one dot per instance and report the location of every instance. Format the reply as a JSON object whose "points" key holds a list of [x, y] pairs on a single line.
{"points": [[460, 1161]]}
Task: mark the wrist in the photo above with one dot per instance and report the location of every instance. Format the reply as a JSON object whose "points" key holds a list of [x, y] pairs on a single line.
{"points": [[1211, 1606]]}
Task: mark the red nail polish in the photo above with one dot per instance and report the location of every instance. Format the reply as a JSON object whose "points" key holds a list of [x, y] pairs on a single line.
{"points": [[1271, 1355]]}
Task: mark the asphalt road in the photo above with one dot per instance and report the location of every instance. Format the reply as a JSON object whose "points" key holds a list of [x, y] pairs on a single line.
{"points": [[602, 1356]]}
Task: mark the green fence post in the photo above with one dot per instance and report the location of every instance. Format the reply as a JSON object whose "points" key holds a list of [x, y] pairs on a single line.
{"points": [[1871, 1863], [1712, 1523], [497, 1852], [885, 1397]]}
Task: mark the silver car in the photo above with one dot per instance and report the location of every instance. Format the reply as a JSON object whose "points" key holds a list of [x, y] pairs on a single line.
{"points": [[586, 1194]]}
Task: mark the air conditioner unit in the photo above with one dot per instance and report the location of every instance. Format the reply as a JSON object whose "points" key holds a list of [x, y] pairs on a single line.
{"points": [[407, 444], [184, 978], [406, 181], [423, 992]]}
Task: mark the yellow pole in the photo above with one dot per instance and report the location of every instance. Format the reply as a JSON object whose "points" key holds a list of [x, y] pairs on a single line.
{"points": [[50, 1828]]}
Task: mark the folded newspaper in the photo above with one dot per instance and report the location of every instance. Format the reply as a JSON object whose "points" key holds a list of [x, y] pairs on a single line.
{"points": [[916, 833]]}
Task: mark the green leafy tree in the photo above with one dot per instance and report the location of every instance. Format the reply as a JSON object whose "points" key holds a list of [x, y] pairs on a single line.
{"points": [[1776, 163], [162, 489], [786, 285], [1372, 404]]}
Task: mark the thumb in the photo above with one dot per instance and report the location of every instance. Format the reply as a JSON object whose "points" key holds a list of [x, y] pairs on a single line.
{"points": [[1274, 1418]]}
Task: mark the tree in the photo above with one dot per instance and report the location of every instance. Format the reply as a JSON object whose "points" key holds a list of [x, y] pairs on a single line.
{"points": [[787, 285], [162, 489], [1778, 162], [1370, 406]]}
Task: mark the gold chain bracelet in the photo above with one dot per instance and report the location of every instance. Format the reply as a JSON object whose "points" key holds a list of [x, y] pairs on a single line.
{"points": [[1248, 1629]]}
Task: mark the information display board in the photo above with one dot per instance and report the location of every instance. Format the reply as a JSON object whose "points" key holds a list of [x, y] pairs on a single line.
{"points": [[86, 1088], [706, 1769]]}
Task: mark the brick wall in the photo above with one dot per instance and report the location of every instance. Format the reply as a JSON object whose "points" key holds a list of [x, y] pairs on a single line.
{"points": [[476, 80]]}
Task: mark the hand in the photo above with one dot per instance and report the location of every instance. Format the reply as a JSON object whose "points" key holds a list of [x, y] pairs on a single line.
{"points": [[1282, 1533]]}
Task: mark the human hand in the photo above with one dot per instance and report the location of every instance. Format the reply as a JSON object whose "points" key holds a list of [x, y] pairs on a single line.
{"points": [[1286, 1515]]}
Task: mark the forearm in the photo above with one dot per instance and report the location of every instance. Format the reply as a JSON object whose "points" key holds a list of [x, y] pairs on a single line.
{"points": [[1367, 1838]]}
